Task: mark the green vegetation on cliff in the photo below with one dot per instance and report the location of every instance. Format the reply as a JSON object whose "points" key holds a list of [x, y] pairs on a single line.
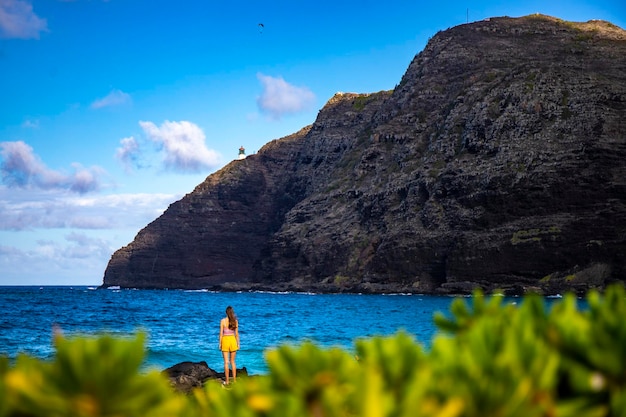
{"points": [[490, 359]]}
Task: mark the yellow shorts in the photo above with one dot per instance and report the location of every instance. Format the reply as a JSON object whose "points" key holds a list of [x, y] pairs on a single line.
{"points": [[229, 343]]}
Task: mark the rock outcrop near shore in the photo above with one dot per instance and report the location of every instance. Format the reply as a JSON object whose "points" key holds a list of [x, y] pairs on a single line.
{"points": [[185, 376], [498, 161]]}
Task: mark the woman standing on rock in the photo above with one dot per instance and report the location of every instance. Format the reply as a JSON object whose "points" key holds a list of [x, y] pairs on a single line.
{"points": [[229, 342]]}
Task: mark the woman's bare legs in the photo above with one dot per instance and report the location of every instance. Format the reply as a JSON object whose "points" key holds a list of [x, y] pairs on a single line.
{"points": [[225, 354], [233, 366]]}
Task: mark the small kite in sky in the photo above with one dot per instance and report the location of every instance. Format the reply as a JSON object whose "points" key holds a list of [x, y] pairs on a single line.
{"points": [[261, 27]]}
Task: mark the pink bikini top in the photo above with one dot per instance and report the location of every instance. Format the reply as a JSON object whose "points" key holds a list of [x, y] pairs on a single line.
{"points": [[228, 332]]}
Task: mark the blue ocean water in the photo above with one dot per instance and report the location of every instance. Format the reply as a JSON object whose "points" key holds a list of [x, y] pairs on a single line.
{"points": [[184, 325]]}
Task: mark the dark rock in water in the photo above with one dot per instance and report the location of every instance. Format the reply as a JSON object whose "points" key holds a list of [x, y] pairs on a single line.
{"points": [[498, 161], [186, 376]]}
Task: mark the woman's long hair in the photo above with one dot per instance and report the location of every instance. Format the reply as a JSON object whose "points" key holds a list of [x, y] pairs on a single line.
{"points": [[232, 319]]}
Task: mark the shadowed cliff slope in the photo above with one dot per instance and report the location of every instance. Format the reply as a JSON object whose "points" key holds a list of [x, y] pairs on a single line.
{"points": [[498, 161]]}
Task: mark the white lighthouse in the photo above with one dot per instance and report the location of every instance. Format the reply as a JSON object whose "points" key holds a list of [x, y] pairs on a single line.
{"points": [[242, 153]]}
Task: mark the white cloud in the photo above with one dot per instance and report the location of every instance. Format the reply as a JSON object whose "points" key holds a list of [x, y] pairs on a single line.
{"points": [[128, 153], [114, 98], [21, 168], [55, 237], [18, 20], [73, 246], [183, 144], [83, 246], [279, 97], [27, 210], [84, 180], [73, 258]]}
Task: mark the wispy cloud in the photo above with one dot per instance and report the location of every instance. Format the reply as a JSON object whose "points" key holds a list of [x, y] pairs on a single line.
{"points": [[183, 145], [74, 257], [22, 168], [22, 210], [279, 97], [128, 153], [82, 232], [83, 246], [19, 21], [30, 123], [114, 98]]}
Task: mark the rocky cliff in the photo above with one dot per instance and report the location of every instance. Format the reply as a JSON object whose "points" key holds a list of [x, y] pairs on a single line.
{"points": [[498, 161]]}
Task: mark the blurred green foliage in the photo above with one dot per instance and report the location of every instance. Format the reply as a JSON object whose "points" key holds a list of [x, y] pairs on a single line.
{"points": [[490, 358]]}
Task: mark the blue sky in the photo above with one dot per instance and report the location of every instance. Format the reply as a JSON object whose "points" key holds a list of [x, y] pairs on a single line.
{"points": [[112, 110]]}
